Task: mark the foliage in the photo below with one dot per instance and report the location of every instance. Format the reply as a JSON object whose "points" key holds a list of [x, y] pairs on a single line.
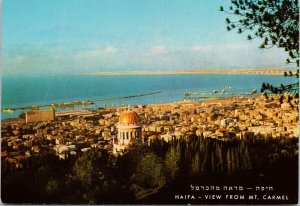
{"points": [[277, 24], [96, 177], [290, 91], [149, 171], [53, 187], [172, 159], [89, 168]]}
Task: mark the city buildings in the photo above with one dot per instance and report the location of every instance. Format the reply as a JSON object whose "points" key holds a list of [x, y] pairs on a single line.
{"points": [[113, 129]]}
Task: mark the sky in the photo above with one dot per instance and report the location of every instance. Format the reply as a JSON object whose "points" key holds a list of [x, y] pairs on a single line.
{"points": [[79, 36]]}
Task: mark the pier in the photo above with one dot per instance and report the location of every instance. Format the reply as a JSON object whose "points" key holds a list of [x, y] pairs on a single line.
{"points": [[214, 94], [76, 102]]}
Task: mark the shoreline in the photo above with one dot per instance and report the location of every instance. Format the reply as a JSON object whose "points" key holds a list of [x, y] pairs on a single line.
{"points": [[269, 71], [152, 104]]}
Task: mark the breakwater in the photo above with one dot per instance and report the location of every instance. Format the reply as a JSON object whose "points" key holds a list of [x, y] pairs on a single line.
{"points": [[77, 102]]}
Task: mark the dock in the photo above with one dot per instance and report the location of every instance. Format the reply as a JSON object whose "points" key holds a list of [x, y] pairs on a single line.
{"points": [[77, 102]]}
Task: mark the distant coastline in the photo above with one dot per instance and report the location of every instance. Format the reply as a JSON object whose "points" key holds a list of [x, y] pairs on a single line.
{"points": [[264, 71]]}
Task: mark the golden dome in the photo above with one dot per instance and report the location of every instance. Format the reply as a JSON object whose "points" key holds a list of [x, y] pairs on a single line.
{"points": [[128, 117]]}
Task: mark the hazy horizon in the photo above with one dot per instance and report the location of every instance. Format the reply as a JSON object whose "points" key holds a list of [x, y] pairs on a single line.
{"points": [[52, 37]]}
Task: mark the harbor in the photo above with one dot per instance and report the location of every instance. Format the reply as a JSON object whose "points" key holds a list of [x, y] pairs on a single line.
{"points": [[110, 92], [76, 102], [188, 95]]}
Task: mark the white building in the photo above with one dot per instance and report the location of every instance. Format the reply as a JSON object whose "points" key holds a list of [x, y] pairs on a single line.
{"points": [[63, 151], [226, 121], [129, 129]]}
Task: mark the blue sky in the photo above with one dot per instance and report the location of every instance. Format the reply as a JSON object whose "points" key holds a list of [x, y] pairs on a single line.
{"points": [[76, 36]]}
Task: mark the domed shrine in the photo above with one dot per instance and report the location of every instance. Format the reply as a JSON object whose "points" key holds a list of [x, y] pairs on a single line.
{"points": [[129, 128]]}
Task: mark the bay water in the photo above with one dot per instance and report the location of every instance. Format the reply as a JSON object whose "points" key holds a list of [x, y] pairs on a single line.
{"points": [[20, 91]]}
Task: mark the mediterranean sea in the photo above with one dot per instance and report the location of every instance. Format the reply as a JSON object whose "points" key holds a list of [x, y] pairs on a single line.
{"points": [[28, 90]]}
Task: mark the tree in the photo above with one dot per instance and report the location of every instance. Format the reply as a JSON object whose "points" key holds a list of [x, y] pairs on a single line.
{"points": [[172, 159], [95, 174], [148, 175], [53, 187], [149, 171], [91, 167], [277, 24]]}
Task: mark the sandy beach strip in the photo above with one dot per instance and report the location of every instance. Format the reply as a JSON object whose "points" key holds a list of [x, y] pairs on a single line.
{"points": [[271, 71]]}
